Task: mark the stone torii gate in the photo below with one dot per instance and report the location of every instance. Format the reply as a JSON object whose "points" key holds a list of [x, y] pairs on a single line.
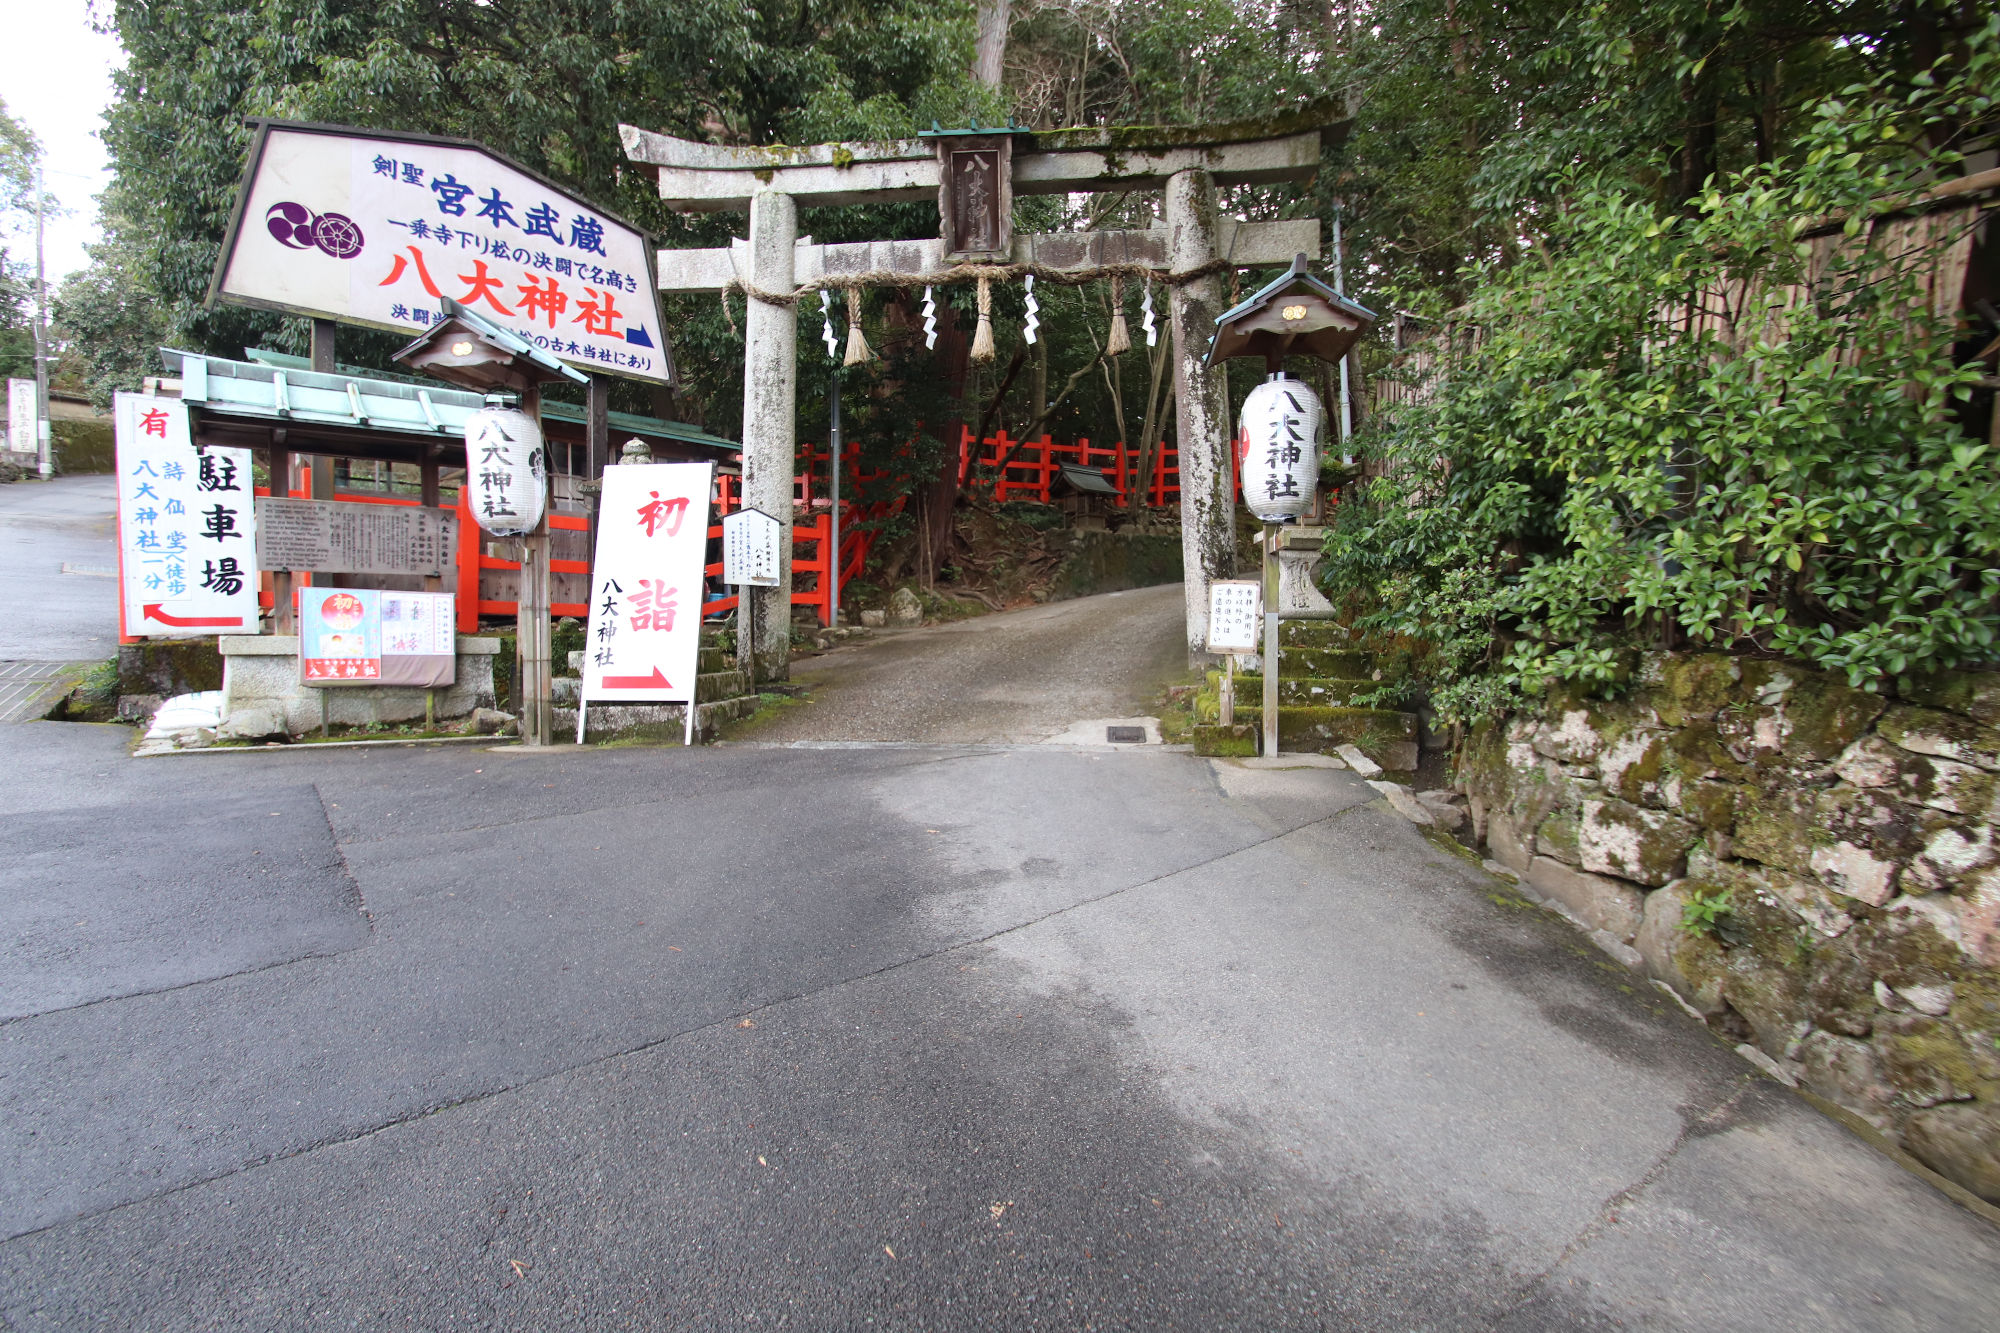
{"points": [[776, 266]]}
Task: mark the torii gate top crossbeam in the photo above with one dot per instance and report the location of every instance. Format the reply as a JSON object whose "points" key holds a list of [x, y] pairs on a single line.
{"points": [[711, 178]]}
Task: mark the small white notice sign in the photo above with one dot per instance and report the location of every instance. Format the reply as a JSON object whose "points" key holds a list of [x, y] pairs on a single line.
{"points": [[1235, 615], [21, 416], [750, 548]]}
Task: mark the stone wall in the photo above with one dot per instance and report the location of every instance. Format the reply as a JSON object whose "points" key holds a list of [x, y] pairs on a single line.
{"points": [[1842, 843], [262, 696]]}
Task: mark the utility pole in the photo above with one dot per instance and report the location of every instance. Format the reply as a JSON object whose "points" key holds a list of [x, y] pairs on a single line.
{"points": [[1346, 385], [43, 445]]}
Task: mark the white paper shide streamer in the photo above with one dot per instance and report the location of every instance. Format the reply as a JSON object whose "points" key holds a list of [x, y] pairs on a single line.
{"points": [[503, 465], [930, 319], [1280, 425], [1034, 312], [1146, 316], [826, 325]]}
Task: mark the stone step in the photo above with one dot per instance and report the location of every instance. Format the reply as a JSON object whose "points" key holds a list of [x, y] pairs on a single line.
{"points": [[1237, 742], [1325, 663], [716, 659], [1302, 689], [1384, 735], [658, 722], [1314, 634], [708, 687]]}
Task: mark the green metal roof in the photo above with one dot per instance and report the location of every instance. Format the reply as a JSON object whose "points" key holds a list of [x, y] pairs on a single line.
{"points": [[296, 393], [281, 386]]}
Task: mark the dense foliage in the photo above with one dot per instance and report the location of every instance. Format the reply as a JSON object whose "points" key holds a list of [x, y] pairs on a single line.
{"points": [[18, 151], [1480, 138], [1697, 425]]}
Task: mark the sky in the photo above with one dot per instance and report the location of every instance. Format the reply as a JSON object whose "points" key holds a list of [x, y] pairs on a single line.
{"points": [[55, 75]]}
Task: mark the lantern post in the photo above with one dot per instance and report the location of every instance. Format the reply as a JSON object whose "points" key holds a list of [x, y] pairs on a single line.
{"points": [[1281, 421], [512, 468]]}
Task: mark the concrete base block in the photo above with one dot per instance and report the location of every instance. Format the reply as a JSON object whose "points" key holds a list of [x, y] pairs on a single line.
{"points": [[262, 696]]}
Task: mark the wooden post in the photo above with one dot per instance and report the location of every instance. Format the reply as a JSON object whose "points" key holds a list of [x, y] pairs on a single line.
{"points": [[1208, 509], [770, 391], [532, 631], [322, 345], [1271, 648], [428, 475], [596, 451], [278, 464]]}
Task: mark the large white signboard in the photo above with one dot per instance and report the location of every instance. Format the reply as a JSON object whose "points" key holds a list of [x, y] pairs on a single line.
{"points": [[644, 636], [1235, 615], [187, 529], [374, 230], [21, 416]]}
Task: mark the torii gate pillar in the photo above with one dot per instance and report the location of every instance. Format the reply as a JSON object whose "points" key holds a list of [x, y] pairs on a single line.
{"points": [[1208, 501], [770, 434]]}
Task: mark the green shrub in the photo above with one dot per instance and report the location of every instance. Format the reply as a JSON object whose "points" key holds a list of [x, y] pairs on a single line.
{"points": [[1589, 470]]}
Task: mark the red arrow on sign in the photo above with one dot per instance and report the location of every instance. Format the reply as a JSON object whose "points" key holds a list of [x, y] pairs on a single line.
{"points": [[656, 681], [152, 611]]}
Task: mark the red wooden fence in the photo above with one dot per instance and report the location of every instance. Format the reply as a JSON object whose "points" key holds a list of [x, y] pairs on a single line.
{"points": [[1028, 476]]}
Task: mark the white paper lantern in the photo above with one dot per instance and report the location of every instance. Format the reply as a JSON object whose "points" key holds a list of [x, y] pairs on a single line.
{"points": [[504, 469], [1280, 428]]}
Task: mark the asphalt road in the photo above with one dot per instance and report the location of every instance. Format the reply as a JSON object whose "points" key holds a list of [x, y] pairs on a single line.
{"points": [[919, 1036], [58, 566], [1018, 677]]}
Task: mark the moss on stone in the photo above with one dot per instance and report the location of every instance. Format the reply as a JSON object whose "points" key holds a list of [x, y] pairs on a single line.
{"points": [[1974, 693], [1975, 1004], [1712, 805], [1237, 741], [1959, 1142], [1646, 846], [1557, 836], [1699, 752], [1841, 992], [1770, 998], [1778, 828], [1826, 716], [1633, 765], [1946, 735], [1928, 1063], [1693, 686]]}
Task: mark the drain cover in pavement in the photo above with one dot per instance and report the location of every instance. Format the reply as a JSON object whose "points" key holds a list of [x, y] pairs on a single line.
{"points": [[1125, 735]]}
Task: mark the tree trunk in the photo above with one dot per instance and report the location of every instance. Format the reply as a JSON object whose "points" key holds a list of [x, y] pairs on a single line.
{"points": [[989, 50]]}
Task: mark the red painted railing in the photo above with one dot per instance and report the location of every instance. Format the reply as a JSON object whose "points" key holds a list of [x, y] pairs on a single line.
{"points": [[1031, 472]]}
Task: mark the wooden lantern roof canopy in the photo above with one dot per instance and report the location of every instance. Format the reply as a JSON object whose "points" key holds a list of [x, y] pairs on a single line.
{"points": [[1295, 314], [471, 351]]}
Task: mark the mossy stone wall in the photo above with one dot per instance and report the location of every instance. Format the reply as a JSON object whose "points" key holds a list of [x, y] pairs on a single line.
{"points": [[1850, 836]]}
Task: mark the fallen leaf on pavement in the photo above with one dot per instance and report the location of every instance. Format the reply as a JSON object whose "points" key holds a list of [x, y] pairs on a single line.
{"points": [[747, 1023], [520, 1268], [886, 1250]]}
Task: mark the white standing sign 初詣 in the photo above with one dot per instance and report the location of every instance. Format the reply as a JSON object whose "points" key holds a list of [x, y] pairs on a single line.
{"points": [[750, 549], [21, 416], [375, 229], [1235, 615], [644, 637], [187, 527]]}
